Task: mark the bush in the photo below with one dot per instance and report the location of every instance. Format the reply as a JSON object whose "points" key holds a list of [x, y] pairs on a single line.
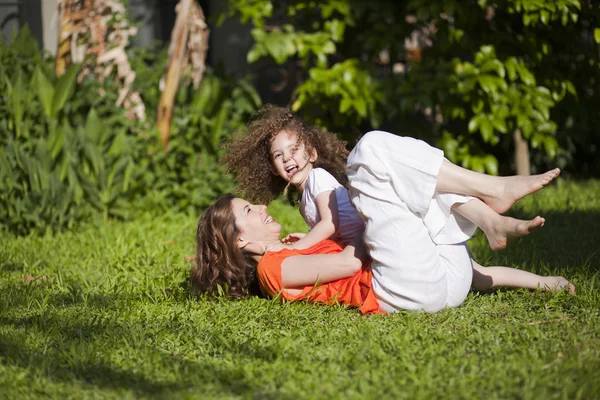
{"points": [[67, 152], [60, 159], [188, 177]]}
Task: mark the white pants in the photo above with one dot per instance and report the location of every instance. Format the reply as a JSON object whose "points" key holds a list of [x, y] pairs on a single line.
{"points": [[420, 261]]}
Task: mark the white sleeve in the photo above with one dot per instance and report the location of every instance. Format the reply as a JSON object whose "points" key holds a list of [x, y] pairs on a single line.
{"points": [[321, 181]]}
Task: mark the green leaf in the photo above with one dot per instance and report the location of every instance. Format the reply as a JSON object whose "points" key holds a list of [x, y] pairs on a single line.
{"points": [[127, 176], [551, 146], [345, 105], [94, 127], [494, 65], [487, 130], [487, 83], [597, 35], [94, 156], [526, 76], [118, 145], [491, 164], [571, 88], [59, 140], [511, 68], [474, 124], [255, 53], [16, 95], [499, 124], [64, 89], [546, 127], [45, 90]]}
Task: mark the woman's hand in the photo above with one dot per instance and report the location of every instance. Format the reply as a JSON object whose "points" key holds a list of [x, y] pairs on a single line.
{"points": [[293, 238]]}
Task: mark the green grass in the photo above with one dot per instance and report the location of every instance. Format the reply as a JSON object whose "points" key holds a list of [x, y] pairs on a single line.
{"points": [[103, 312]]}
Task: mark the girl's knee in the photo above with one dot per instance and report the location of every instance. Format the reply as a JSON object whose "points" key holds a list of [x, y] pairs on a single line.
{"points": [[374, 139]]}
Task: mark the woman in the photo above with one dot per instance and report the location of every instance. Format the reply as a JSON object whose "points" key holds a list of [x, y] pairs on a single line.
{"points": [[416, 225]]}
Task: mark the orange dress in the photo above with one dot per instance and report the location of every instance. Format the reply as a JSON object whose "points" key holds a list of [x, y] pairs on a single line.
{"points": [[355, 291]]}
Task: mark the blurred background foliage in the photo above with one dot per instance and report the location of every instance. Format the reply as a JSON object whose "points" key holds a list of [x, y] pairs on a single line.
{"points": [[476, 78], [489, 82]]}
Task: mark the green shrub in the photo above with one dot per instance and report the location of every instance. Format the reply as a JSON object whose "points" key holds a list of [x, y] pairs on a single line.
{"points": [[67, 152], [60, 159], [188, 177]]}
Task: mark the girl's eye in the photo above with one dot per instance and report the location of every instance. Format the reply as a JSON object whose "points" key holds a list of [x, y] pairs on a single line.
{"points": [[277, 156]]}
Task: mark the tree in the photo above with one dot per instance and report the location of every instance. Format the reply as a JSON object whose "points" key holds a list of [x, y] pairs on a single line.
{"points": [[189, 43], [475, 77], [96, 33]]}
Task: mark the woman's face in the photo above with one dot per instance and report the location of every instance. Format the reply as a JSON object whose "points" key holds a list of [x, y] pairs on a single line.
{"points": [[254, 223]]}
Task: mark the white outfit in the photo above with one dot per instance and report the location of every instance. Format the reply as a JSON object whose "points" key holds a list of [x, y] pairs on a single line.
{"points": [[420, 261], [349, 222]]}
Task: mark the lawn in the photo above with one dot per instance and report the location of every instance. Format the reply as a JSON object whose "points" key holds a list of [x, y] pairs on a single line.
{"points": [[103, 312]]}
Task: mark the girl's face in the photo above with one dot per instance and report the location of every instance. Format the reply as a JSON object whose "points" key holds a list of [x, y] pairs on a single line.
{"points": [[290, 159], [254, 223]]}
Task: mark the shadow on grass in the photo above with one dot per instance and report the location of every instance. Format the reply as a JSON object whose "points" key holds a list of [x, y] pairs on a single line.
{"points": [[568, 243], [70, 341]]}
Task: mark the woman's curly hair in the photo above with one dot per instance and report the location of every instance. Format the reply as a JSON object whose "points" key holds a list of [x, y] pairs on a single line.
{"points": [[219, 260], [249, 155]]}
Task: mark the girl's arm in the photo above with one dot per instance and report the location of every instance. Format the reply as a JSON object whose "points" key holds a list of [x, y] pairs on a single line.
{"points": [[299, 271], [326, 227]]}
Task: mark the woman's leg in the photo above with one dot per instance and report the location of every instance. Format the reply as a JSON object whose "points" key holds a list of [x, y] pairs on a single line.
{"points": [[498, 229], [498, 192], [485, 278]]}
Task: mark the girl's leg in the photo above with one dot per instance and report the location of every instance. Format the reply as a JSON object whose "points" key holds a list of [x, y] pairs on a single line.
{"points": [[498, 192], [498, 229], [392, 184], [485, 278]]}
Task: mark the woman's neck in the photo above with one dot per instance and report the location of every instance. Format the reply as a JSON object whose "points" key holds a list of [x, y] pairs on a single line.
{"points": [[258, 249]]}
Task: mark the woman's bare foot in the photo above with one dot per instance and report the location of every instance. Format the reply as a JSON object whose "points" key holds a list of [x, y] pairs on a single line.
{"points": [[501, 231], [556, 284], [512, 188]]}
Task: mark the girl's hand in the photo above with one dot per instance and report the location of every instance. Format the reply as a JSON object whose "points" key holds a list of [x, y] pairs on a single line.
{"points": [[293, 238], [275, 246]]}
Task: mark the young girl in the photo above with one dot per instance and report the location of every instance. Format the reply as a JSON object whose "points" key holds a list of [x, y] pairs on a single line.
{"points": [[279, 150]]}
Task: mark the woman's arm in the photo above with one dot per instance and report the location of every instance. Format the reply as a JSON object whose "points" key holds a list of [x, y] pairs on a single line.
{"points": [[326, 227], [298, 271]]}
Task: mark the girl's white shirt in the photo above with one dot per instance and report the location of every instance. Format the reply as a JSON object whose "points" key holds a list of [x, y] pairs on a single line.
{"points": [[350, 223]]}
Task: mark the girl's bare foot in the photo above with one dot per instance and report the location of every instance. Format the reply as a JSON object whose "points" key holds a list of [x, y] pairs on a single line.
{"points": [[556, 284], [500, 232], [512, 188]]}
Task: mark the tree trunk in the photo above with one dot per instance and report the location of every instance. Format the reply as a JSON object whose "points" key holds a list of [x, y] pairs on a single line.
{"points": [[179, 37], [63, 52], [521, 154]]}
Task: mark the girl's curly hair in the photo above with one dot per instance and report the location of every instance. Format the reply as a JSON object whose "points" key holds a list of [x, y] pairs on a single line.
{"points": [[219, 260], [249, 155]]}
